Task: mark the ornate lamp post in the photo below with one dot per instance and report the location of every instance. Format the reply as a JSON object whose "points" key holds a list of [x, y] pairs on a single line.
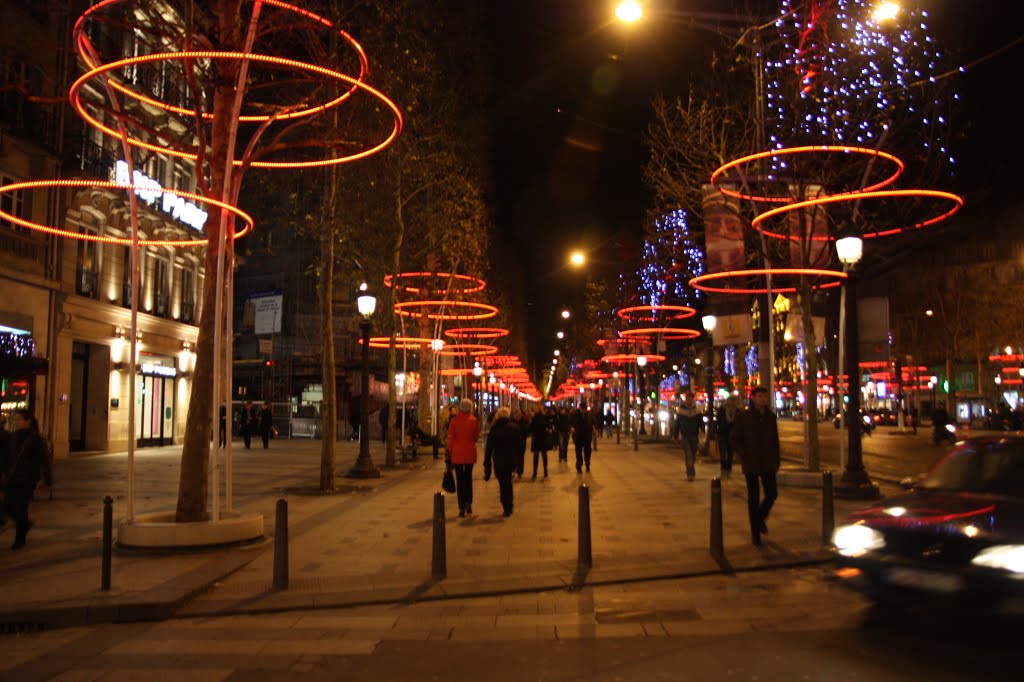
{"points": [[366, 303], [641, 362], [855, 482]]}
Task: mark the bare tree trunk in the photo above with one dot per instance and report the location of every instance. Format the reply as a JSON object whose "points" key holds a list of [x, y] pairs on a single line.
{"points": [[390, 458], [329, 405], [195, 454], [813, 462]]}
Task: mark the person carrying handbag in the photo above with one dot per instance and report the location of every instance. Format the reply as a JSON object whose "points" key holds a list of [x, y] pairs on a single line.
{"points": [[25, 461]]}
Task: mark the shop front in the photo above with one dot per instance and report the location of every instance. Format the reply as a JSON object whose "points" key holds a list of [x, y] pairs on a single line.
{"points": [[155, 400]]}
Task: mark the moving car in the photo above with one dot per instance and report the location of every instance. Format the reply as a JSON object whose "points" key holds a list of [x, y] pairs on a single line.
{"points": [[956, 537]]}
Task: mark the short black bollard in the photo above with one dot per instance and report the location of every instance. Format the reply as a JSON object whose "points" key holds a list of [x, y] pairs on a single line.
{"points": [[281, 546], [108, 541], [828, 519], [439, 556], [717, 547], [584, 558]]}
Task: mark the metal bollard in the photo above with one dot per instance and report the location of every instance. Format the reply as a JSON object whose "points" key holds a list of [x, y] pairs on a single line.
{"points": [[584, 558], [281, 546], [439, 557], [828, 520], [717, 546], [108, 541]]}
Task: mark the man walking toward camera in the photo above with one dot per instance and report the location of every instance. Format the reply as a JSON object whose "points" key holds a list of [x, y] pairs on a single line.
{"points": [[755, 440]]}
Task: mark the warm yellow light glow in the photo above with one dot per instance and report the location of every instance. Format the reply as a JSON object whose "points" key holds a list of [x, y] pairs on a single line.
{"points": [[886, 11], [566, 314], [577, 258], [629, 11]]}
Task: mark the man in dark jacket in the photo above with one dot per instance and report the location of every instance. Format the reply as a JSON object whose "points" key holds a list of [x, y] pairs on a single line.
{"points": [[755, 439], [582, 427], [22, 467], [504, 443], [562, 426]]}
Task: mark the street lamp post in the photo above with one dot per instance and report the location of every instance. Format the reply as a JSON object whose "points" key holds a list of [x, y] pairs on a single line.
{"points": [[709, 323], [641, 362], [364, 467], [478, 374], [855, 482]]}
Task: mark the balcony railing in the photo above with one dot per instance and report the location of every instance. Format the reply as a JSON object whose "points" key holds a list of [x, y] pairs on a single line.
{"points": [[94, 159]]}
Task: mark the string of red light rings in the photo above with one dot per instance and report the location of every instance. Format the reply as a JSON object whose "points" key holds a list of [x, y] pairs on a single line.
{"points": [[105, 71], [655, 313], [733, 174]]}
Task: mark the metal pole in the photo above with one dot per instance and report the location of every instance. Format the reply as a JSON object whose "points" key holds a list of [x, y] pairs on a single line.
{"points": [[281, 546], [108, 540], [828, 519], [716, 546], [364, 467], [439, 555], [584, 557]]}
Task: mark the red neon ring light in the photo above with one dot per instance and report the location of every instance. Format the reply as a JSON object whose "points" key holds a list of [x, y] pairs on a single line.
{"points": [[698, 282], [79, 38], [464, 349], [666, 333], [400, 341], [76, 102], [736, 163], [958, 202], [477, 284], [628, 358], [477, 332], [455, 371], [683, 311], [502, 361], [488, 310], [127, 241]]}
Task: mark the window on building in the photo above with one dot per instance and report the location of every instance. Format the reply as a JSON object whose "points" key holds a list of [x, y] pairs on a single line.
{"points": [[188, 295], [161, 291], [87, 270], [12, 203]]}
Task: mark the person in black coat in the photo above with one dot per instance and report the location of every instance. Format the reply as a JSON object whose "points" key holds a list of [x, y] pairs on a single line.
{"points": [[266, 424], [563, 426], [504, 443], [539, 440], [248, 423], [582, 428], [755, 438], [22, 467]]}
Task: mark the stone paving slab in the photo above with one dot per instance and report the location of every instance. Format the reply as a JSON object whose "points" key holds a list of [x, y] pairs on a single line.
{"points": [[372, 542]]}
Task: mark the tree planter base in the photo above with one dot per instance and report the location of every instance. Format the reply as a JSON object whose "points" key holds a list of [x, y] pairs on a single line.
{"points": [[160, 531]]}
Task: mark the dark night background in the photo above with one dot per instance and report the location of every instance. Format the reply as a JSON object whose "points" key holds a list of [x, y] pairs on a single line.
{"points": [[572, 91]]}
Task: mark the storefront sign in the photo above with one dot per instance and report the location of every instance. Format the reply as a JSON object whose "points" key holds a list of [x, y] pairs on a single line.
{"points": [[150, 191], [158, 370]]}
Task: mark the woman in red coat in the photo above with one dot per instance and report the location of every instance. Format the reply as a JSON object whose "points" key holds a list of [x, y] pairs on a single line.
{"points": [[463, 432]]}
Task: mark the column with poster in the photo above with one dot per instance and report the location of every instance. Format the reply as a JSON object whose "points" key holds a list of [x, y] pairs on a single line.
{"points": [[726, 252]]}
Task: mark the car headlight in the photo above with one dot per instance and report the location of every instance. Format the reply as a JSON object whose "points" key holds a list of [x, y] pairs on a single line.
{"points": [[1007, 557], [856, 539]]}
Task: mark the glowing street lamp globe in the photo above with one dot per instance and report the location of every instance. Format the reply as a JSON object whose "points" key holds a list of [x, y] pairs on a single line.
{"points": [[629, 11]]}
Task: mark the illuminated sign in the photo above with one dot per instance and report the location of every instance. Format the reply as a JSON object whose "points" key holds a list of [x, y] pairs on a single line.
{"points": [[150, 191], [159, 370]]}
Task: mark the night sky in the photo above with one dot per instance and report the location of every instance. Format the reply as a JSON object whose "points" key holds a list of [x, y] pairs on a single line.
{"points": [[572, 98]]}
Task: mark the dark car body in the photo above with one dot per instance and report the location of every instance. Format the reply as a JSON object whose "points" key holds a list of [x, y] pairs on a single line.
{"points": [[957, 537]]}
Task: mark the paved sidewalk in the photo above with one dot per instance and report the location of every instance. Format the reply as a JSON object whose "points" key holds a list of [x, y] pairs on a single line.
{"points": [[372, 541]]}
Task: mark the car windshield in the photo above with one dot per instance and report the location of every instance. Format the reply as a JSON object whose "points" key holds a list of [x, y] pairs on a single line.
{"points": [[996, 467]]}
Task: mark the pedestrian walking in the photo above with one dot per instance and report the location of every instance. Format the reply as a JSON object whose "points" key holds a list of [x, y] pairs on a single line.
{"points": [[463, 433], [609, 422], [266, 424], [582, 429], [724, 420], [689, 420], [24, 463], [504, 441], [539, 441], [248, 423], [562, 426], [755, 439]]}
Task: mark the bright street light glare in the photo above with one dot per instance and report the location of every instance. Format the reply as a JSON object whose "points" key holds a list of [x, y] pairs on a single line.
{"points": [[577, 258], [886, 11], [560, 335], [565, 314], [629, 11]]}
